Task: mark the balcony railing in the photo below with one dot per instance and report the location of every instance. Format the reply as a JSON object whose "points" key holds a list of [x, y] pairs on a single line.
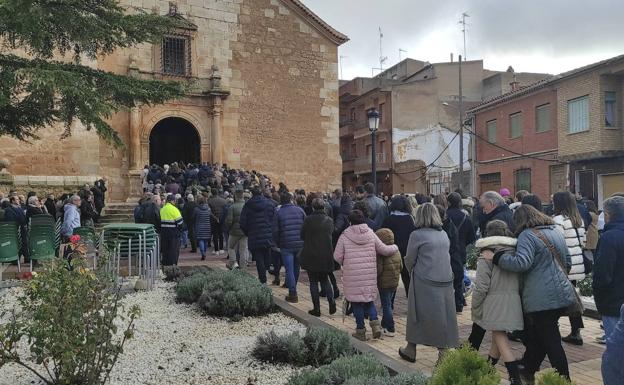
{"points": [[348, 165], [364, 164]]}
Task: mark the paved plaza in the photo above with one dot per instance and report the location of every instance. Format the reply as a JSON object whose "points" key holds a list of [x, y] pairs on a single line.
{"points": [[584, 360]]}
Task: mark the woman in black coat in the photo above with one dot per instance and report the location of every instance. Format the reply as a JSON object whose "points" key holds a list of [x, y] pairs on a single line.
{"points": [[317, 255], [401, 222]]}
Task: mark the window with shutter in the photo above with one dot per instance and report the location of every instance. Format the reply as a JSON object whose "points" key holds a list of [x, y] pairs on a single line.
{"points": [[542, 118], [491, 131], [578, 115], [515, 125]]}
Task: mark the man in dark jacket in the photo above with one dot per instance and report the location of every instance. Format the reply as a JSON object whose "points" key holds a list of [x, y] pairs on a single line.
{"points": [[187, 216], [256, 221], [217, 203], [50, 205], [608, 282], [467, 236], [150, 212], [287, 223], [493, 207]]}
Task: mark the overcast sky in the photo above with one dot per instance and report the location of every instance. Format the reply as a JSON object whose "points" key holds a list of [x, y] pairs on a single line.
{"points": [[550, 36]]}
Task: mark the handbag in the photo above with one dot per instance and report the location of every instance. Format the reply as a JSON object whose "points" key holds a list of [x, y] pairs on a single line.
{"points": [[576, 308], [588, 263]]}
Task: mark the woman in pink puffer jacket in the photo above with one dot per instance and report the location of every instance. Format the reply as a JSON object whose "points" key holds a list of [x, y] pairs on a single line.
{"points": [[356, 251]]}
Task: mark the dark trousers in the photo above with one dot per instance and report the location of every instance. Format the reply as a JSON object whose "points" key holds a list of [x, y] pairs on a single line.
{"points": [[276, 261], [476, 336], [170, 246], [217, 235], [192, 237], [405, 277], [458, 286], [576, 322], [323, 280], [262, 257], [543, 339], [334, 284]]}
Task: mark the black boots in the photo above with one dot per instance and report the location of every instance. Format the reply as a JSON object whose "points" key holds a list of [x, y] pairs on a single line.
{"points": [[492, 361], [514, 372], [574, 338]]}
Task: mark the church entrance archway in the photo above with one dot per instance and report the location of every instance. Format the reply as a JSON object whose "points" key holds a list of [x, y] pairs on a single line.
{"points": [[174, 140]]}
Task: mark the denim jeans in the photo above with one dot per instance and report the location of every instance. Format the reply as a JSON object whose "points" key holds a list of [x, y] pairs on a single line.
{"points": [[291, 264], [386, 296], [612, 368], [184, 239], [203, 246], [262, 258], [323, 279], [276, 261], [609, 323], [358, 311]]}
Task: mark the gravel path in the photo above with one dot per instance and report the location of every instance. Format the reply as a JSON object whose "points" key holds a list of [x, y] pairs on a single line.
{"points": [[174, 344]]}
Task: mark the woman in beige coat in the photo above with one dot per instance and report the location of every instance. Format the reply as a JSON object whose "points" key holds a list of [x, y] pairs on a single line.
{"points": [[496, 303]]}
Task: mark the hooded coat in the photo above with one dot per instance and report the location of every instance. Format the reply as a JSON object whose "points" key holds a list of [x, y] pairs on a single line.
{"points": [[202, 222], [388, 268], [496, 302], [357, 251]]}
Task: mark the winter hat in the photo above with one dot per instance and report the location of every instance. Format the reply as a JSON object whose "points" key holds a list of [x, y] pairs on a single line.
{"points": [[505, 193], [386, 236]]}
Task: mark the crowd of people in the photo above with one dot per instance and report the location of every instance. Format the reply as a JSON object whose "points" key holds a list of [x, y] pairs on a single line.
{"points": [[532, 254], [81, 208]]}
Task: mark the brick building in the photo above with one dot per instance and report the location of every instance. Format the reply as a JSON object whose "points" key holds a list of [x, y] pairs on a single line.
{"points": [[564, 132], [520, 122], [417, 150], [264, 97]]}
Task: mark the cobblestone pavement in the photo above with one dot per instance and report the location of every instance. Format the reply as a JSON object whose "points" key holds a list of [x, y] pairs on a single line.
{"points": [[584, 360]]}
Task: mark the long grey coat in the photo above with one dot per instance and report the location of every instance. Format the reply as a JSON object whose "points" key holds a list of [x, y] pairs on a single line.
{"points": [[431, 317], [496, 303]]}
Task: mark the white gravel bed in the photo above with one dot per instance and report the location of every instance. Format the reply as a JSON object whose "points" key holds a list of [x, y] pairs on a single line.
{"points": [[174, 344]]}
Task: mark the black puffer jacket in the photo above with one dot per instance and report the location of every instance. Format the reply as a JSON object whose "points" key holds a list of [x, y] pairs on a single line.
{"points": [[256, 221]]}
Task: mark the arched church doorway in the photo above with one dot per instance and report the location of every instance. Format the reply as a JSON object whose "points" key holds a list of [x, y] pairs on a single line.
{"points": [[173, 140]]}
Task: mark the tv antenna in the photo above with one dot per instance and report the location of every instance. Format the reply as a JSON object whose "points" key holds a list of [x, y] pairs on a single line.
{"points": [[463, 24], [401, 50], [382, 58]]}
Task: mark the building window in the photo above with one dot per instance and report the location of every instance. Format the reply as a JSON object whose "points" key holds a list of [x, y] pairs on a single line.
{"points": [[610, 109], [381, 112], [491, 131], [515, 125], [353, 116], [578, 115], [542, 118], [523, 179], [176, 55]]}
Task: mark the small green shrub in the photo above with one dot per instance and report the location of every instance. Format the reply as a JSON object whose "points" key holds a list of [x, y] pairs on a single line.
{"points": [[472, 255], [176, 274], [550, 377], [232, 294], [274, 348], [324, 345], [319, 346], [464, 366], [73, 323], [401, 379], [585, 286], [341, 370]]}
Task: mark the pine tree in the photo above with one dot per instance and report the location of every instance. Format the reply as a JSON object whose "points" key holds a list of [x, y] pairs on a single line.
{"points": [[43, 82]]}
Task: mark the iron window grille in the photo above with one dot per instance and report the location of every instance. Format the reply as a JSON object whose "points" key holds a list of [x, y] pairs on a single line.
{"points": [[176, 55]]}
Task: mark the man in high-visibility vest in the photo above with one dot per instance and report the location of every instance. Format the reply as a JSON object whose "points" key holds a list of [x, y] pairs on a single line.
{"points": [[170, 223]]}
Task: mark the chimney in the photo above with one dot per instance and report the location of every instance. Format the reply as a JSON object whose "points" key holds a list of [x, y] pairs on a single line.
{"points": [[451, 57]]}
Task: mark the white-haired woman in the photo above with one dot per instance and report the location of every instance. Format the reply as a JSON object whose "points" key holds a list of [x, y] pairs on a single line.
{"points": [[431, 317]]}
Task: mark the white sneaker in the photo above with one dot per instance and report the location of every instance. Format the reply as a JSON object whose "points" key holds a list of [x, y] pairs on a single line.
{"points": [[387, 333]]}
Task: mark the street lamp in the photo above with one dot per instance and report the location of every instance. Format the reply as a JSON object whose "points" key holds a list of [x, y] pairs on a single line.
{"points": [[373, 125]]}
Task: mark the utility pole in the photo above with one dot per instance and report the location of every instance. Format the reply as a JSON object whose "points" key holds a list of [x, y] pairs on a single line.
{"points": [[461, 128], [463, 23]]}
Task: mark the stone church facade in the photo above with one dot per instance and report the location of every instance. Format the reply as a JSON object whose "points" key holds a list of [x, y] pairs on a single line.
{"points": [[263, 96]]}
